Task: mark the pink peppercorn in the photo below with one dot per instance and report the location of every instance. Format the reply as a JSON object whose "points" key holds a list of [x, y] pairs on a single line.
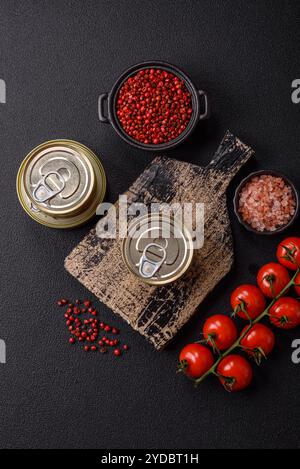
{"points": [[154, 106]]}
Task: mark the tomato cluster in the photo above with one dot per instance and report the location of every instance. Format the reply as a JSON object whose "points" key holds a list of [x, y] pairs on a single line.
{"points": [[154, 106], [257, 340]]}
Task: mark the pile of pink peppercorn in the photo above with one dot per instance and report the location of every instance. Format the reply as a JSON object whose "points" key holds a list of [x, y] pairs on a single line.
{"points": [[154, 106], [84, 327]]}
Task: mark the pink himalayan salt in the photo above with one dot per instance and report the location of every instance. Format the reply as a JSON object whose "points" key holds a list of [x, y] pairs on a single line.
{"points": [[267, 203]]}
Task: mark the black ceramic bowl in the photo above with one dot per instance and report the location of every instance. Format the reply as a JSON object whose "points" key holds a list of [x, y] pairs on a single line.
{"points": [[237, 197], [197, 97]]}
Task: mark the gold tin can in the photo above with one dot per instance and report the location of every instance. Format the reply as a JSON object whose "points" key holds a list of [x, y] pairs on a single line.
{"points": [[158, 250], [61, 183]]}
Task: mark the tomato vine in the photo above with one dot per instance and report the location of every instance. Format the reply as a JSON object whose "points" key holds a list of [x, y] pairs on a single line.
{"points": [[237, 343]]}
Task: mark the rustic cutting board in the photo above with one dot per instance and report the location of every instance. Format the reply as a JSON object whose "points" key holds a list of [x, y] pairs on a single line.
{"points": [[159, 312]]}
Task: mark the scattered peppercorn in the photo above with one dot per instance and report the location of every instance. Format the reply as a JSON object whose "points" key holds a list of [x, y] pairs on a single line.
{"points": [[87, 328]]}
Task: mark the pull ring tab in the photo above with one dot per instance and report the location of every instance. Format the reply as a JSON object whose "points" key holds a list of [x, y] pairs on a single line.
{"points": [[147, 267], [43, 192]]}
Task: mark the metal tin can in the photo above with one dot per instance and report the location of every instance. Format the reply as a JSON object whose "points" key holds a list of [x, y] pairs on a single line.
{"points": [[61, 183], [158, 250]]}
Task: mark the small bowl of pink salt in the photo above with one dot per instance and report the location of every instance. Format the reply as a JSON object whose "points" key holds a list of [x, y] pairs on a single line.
{"points": [[266, 202]]}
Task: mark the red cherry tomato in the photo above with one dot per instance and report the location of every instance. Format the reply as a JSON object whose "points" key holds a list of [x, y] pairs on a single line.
{"points": [[297, 284], [288, 253], [248, 298], [259, 341], [220, 331], [285, 313], [195, 360], [235, 373], [272, 278]]}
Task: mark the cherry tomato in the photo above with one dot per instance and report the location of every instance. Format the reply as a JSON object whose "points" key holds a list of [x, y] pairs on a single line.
{"points": [[235, 373], [288, 253], [248, 298], [220, 331], [195, 360], [258, 342], [297, 284], [285, 313], [272, 278]]}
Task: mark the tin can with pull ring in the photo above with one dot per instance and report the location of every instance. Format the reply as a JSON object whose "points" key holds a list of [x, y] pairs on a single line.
{"points": [[61, 183], [158, 250]]}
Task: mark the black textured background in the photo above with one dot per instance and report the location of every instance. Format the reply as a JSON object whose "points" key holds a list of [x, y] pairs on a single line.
{"points": [[56, 57]]}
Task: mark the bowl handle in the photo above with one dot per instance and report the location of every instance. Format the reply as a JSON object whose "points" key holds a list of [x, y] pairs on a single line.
{"points": [[206, 112], [103, 97]]}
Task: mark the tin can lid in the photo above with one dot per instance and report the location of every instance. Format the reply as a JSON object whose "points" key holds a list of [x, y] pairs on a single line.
{"points": [[157, 249], [58, 179], [60, 183]]}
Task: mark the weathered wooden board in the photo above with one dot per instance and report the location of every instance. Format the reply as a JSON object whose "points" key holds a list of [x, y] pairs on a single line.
{"points": [[159, 312]]}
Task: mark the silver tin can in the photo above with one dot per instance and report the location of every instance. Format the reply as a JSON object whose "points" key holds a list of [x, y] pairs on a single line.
{"points": [[61, 183], [158, 250]]}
